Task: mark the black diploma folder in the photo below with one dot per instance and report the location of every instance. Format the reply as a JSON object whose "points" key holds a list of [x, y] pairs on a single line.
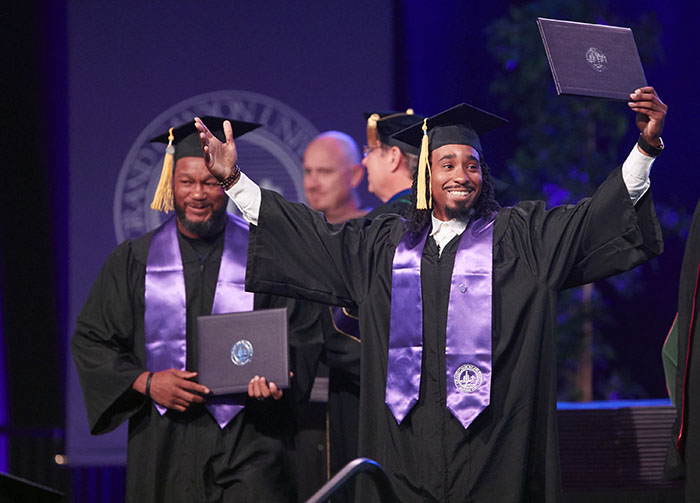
{"points": [[235, 347], [592, 59]]}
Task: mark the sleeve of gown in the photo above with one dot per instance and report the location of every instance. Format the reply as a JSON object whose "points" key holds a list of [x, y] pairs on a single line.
{"points": [[598, 237], [294, 252], [102, 346]]}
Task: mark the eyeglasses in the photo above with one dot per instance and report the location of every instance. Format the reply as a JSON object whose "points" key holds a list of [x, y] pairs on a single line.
{"points": [[367, 149]]}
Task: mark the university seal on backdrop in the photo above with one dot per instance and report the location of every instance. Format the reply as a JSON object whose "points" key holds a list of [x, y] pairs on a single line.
{"points": [[271, 155]]}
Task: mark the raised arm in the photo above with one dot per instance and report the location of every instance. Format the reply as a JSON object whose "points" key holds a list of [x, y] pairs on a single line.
{"points": [[651, 114], [650, 117], [220, 158], [293, 251], [602, 235]]}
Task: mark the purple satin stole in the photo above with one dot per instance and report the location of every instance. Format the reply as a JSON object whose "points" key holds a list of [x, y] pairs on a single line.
{"points": [[166, 314], [468, 336]]}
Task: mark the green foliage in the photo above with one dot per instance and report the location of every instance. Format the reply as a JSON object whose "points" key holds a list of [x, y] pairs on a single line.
{"points": [[566, 146], [568, 143]]}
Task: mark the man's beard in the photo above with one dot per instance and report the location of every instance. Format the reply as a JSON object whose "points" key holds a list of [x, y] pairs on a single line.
{"points": [[460, 212], [204, 229]]}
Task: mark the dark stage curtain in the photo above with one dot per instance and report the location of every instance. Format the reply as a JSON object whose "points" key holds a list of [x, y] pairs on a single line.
{"points": [[33, 222]]}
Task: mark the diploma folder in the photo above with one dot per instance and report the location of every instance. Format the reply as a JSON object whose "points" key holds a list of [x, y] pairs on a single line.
{"points": [[235, 347], [592, 59]]}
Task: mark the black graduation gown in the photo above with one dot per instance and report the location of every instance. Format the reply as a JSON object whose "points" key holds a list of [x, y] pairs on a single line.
{"points": [[510, 452], [398, 205], [341, 353], [179, 456], [684, 459]]}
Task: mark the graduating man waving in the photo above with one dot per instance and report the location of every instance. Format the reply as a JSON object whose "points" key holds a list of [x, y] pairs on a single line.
{"points": [[456, 304]]}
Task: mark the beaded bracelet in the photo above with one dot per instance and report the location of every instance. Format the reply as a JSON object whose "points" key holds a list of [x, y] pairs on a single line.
{"points": [[231, 179]]}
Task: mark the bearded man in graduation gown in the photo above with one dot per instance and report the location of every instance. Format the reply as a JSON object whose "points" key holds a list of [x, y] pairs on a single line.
{"points": [[135, 350], [457, 304], [683, 460]]}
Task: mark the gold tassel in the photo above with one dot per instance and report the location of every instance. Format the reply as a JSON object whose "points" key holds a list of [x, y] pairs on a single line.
{"points": [[372, 136], [163, 198], [423, 179]]}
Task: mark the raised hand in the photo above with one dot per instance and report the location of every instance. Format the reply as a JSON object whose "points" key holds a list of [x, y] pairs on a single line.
{"points": [[219, 158], [651, 113], [173, 389]]}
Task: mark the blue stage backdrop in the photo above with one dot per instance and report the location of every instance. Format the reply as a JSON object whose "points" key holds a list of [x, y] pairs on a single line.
{"points": [[137, 67]]}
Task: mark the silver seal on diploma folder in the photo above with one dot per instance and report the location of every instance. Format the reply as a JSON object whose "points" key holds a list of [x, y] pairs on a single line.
{"points": [[242, 352]]}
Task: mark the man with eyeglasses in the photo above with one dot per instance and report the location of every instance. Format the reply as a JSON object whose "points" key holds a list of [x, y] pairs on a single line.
{"points": [[390, 164]]}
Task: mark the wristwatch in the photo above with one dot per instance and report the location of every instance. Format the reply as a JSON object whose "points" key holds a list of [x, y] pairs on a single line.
{"points": [[648, 148]]}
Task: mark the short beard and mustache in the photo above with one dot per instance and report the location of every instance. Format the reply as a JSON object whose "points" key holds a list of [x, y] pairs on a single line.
{"points": [[485, 206], [206, 229], [461, 211]]}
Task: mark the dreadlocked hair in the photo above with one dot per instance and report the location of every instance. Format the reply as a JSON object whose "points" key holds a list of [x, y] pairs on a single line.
{"points": [[484, 207]]}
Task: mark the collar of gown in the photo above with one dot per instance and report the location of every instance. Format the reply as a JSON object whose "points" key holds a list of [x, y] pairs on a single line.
{"points": [[444, 231]]}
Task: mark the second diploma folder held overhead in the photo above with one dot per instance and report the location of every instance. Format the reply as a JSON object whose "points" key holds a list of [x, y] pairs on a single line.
{"points": [[592, 59]]}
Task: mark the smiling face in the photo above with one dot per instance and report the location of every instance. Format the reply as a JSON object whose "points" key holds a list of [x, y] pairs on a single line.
{"points": [[455, 180], [200, 202]]}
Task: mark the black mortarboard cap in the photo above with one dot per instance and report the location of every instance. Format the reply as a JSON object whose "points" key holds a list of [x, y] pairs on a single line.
{"points": [[186, 137], [183, 141], [459, 125], [382, 125]]}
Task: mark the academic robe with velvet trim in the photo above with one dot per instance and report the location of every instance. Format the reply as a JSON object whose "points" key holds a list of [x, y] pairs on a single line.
{"points": [[510, 452], [178, 457], [684, 457]]}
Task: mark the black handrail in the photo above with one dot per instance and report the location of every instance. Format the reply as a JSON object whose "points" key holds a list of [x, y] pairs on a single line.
{"points": [[348, 473]]}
